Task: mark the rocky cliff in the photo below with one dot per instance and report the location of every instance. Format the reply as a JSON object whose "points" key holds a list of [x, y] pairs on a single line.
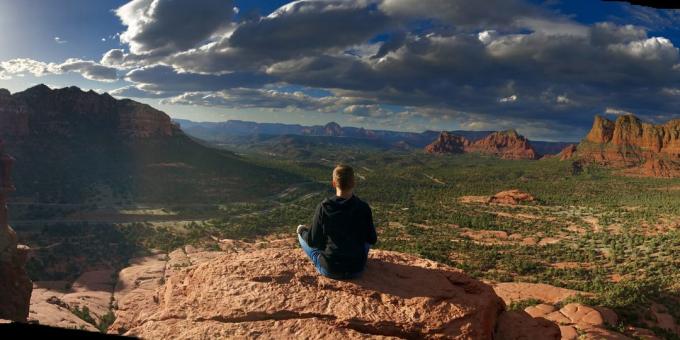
{"points": [[503, 144], [636, 147], [70, 111], [15, 285]]}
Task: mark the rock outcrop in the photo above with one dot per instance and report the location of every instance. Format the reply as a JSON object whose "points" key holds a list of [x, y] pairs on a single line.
{"points": [[567, 153], [15, 285], [506, 145], [48, 308], [517, 291], [511, 197], [636, 147], [448, 143], [577, 321], [68, 111], [274, 292], [503, 144], [555, 319]]}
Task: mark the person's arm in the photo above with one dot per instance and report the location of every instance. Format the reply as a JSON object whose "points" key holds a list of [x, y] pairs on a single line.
{"points": [[316, 238], [371, 236]]}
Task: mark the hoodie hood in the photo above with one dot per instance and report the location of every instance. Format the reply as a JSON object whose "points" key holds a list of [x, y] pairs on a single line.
{"points": [[337, 204]]}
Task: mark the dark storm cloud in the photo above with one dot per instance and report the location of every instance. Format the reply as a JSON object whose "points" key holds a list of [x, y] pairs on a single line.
{"points": [[166, 26], [558, 78], [304, 27], [257, 98], [299, 29], [161, 78]]}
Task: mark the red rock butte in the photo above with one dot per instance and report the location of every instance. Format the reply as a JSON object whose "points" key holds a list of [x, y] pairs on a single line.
{"points": [[41, 110], [636, 147], [503, 144]]}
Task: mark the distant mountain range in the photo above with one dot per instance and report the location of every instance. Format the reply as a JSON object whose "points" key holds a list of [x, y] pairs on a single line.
{"points": [[76, 146], [220, 132]]}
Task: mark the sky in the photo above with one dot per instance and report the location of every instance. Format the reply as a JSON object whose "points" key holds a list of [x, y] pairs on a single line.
{"points": [[542, 67]]}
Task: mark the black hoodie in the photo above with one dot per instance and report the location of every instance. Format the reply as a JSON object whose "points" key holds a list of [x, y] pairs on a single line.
{"points": [[341, 228]]}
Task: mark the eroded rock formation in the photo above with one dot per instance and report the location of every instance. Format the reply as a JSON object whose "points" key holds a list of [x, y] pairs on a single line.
{"points": [[511, 197], [503, 144], [276, 293], [448, 143], [636, 147], [567, 153], [15, 285], [506, 145], [67, 111]]}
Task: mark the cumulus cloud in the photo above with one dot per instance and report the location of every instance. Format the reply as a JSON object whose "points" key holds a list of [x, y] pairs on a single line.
{"points": [[652, 49], [87, 68], [114, 57], [21, 66], [470, 60], [134, 91], [510, 99], [256, 98], [440, 59], [563, 100], [302, 27], [90, 70], [166, 26], [162, 78]]}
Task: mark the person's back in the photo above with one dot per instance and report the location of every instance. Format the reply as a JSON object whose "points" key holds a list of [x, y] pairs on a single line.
{"points": [[342, 230]]}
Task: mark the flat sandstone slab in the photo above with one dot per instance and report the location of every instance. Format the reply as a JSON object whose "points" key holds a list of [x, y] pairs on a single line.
{"points": [[276, 293]]}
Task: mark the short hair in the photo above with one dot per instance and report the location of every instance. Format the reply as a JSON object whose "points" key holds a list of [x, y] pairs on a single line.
{"points": [[343, 175]]}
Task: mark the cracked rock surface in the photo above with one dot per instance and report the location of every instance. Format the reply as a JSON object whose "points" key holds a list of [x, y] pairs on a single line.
{"points": [[273, 291]]}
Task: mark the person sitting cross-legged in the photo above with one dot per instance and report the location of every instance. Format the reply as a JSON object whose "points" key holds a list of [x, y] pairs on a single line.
{"points": [[342, 230]]}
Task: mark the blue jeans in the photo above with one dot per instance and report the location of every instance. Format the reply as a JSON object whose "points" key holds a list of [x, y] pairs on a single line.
{"points": [[314, 255]]}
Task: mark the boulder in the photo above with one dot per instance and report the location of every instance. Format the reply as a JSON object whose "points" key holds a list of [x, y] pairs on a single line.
{"points": [[517, 325]]}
